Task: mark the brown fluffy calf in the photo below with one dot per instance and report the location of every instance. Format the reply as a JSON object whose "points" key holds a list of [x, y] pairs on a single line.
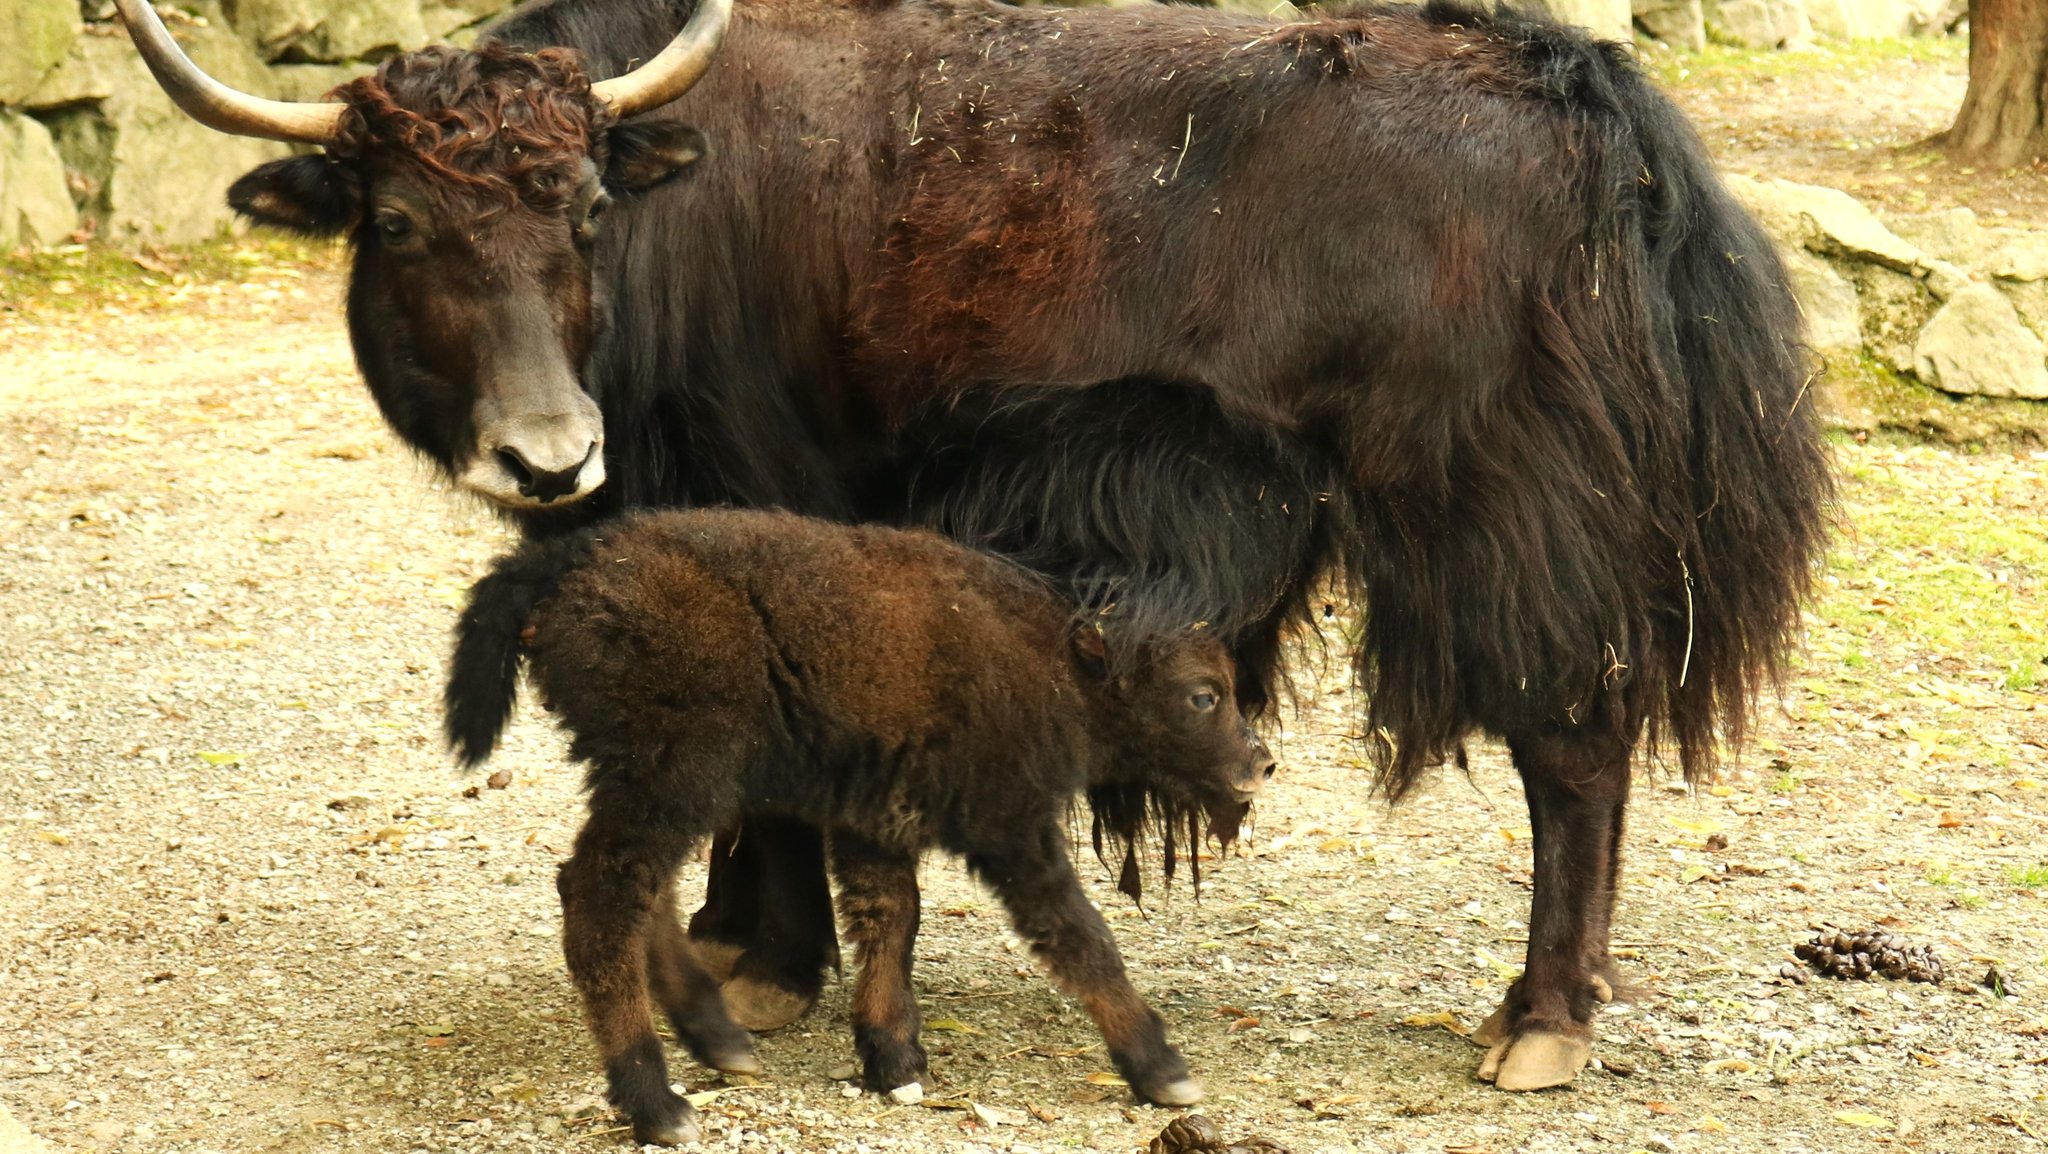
{"points": [[900, 690]]}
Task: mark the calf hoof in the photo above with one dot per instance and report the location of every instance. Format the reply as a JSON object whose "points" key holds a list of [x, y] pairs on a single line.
{"points": [[762, 1006], [729, 1050], [717, 957], [680, 1130], [1535, 1061], [1179, 1092], [887, 1064]]}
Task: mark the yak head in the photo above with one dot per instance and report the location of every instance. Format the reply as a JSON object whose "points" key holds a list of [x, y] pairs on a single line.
{"points": [[472, 187]]}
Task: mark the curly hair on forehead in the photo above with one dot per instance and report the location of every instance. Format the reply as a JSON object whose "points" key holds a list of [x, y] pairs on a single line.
{"points": [[493, 119]]}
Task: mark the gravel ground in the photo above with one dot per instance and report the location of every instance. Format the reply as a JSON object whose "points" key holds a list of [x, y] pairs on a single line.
{"points": [[253, 908]]}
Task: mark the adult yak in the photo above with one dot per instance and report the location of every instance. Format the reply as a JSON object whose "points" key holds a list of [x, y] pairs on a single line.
{"points": [[1449, 303]]}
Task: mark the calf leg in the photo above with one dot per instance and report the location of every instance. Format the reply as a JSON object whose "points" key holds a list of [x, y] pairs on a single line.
{"points": [[1037, 884], [878, 898], [689, 995], [1577, 783], [776, 979], [611, 889]]}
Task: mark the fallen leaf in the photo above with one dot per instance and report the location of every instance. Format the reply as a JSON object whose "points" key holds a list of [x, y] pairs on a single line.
{"points": [[1104, 1078], [500, 779], [1660, 1107], [1443, 1018], [950, 1026], [992, 1117], [212, 758], [1730, 1066], [1693, 873], [1859, 1118], [1711, 1125]]}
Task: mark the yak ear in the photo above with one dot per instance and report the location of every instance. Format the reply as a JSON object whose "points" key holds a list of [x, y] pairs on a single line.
{"points": [[309, 195], [645, 154]]}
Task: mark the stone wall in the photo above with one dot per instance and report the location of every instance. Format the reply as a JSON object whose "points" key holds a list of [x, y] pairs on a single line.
{"points": [[1944, 298], [89, 143]]}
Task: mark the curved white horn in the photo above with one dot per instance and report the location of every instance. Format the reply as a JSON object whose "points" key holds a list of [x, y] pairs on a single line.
{"points": [[671, 73], [214, 104]]}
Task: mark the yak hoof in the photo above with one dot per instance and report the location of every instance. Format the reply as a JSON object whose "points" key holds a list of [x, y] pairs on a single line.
{"points": [[680, 1132], [716, 957], [1180, 1092], [1602, 992], [734, 1060], [762, 1006], [1535, 1061], [1493, 1029]]}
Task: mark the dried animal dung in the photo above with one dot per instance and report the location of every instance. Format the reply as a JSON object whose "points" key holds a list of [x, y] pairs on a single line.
{"points": [[1196, 1134], [1858, 956]]}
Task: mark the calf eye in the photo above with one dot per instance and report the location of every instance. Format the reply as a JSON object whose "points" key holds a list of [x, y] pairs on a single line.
{"points": [[1203, 701]]}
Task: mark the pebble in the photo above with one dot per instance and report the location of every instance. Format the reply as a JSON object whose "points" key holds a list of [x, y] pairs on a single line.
{"points": [[1301, 1034], [843, 1072], [909, 1095]]}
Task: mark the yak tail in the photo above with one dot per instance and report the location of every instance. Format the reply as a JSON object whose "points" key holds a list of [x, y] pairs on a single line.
{"points": [[1749, 531], [483, 678], [1729, 467]]}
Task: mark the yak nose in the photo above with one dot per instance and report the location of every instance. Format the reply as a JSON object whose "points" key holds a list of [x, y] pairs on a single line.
{"points": [[544, 476], [1260, 770]]}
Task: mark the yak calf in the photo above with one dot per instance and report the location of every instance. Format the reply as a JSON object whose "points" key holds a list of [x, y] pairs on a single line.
{"points": [[896, 688]]}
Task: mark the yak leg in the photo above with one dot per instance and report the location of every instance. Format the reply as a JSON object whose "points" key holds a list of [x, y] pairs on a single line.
{"points": [[878, 897], [778, 976], [688, 993], [1050, 911], [1577, 783], [611, 889]]}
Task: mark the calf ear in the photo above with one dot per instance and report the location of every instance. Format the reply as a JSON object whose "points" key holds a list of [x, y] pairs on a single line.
{"points": [[1092, 650], [645, 154], [309, 195]]}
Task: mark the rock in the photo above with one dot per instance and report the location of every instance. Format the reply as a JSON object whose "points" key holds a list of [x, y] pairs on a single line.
{"points": [[141, 168], [1678, 23], [34, 35], [1828, 302], [327, 31], [441, 17], [15, 1138], [1757, 23], [35, 206], [312, 82], [2025, 259], [1608, 19], [907, 1095], [1825, 220], [1954, 235], [1858, 19], [1977, 345]]}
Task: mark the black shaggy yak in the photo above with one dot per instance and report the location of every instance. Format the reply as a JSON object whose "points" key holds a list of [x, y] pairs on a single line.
{"points": [[892, 687], [1459, 289]]}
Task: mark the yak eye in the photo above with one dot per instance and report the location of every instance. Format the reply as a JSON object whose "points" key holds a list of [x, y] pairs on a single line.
{"points": [[1203, 701], [395, 227], [586, 228]]}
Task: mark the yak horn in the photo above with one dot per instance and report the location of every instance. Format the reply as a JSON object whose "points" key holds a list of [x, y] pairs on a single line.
{"points": [[214, 104], [678, 66]]}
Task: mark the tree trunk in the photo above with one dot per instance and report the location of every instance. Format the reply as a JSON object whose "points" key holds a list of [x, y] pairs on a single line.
{"points": [[2004, 120]]}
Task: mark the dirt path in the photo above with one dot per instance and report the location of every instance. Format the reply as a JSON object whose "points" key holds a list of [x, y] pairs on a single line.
{"points": [[253, 909]]}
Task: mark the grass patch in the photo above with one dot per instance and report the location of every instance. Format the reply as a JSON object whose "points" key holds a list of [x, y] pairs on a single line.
{"points": [[1863, 396], [2033, 877], [88, 278], [1722, 63]]}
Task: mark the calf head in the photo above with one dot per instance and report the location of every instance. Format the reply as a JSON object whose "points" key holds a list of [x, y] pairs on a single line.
{"points": [[471, 185], [1180, 754]]}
